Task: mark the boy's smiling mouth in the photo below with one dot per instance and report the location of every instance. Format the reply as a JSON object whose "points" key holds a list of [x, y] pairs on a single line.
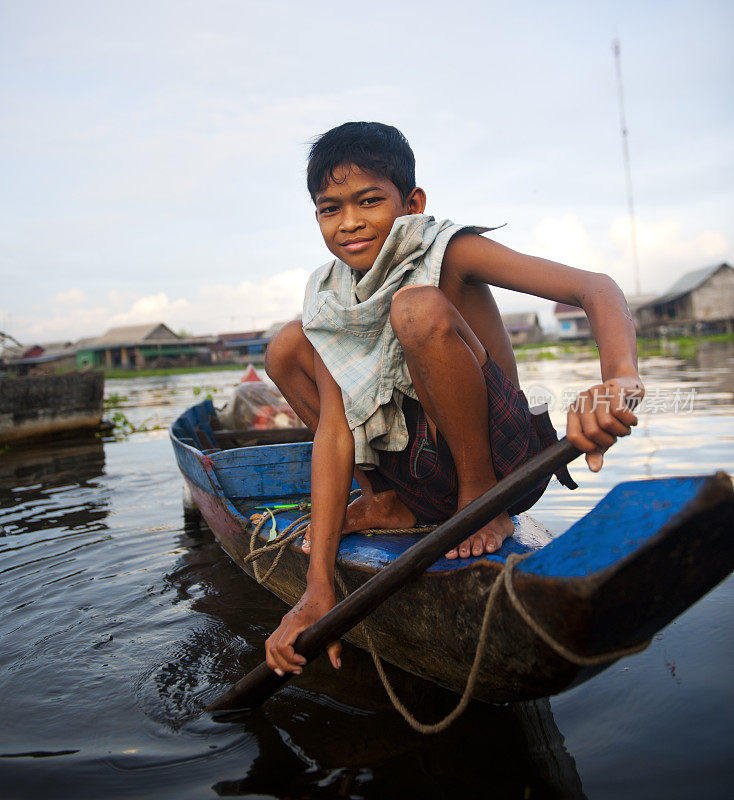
{"points": [[357, 244]]}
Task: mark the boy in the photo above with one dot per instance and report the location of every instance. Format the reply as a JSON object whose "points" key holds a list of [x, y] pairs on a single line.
{"points": [[404, 371]]}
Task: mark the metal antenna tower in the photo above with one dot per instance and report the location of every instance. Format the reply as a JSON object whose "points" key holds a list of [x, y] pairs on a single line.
{"points": [[627, 172]]}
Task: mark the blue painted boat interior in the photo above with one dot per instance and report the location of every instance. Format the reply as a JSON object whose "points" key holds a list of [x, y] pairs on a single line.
{"points": [[372, 551], [184, 428], [622, 522]]}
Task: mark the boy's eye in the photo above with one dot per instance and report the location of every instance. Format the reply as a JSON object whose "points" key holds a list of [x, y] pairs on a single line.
{"points": [[368, 201], [328, 209]]}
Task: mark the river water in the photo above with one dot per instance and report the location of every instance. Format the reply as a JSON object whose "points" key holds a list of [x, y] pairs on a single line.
{"points": [[121, 620]]}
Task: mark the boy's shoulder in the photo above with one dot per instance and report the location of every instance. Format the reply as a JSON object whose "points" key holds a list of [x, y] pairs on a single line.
{"points": [[471, 258]]}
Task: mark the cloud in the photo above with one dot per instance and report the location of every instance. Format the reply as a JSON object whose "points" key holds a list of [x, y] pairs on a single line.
{"points": [[59, 325], [212, 308], [254, 304], [152, 308], [566, 239], [72, 297], [666, 249], [666, 246]]}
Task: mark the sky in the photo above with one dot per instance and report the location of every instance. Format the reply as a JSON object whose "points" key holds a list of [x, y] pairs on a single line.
{"points": [[152, 154]]}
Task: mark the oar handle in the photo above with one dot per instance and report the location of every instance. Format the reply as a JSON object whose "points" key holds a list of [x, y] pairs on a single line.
{"points": [[259, 684]]}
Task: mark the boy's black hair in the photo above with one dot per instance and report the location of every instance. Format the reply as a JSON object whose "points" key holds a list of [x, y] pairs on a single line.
{"points": [[371, 146]]}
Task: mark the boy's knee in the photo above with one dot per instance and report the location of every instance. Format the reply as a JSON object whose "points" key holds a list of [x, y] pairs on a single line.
{"points": [[418, 312], [284, 349]]}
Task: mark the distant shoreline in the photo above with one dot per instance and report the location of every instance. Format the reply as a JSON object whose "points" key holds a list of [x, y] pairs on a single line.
{"points": [[676, 346], [126, 374]]}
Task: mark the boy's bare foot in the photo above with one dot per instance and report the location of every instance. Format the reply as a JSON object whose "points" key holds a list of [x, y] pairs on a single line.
{"points": [[368, 511], [487, 540]]}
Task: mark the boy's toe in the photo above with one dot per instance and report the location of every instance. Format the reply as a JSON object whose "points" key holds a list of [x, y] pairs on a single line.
{"points": [[306, 545]]}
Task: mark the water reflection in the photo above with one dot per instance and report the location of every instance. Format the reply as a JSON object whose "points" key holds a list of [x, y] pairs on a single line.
{"points": [[121, 624], [714, 362], [53, 463], [317, 735], [53, 486]]}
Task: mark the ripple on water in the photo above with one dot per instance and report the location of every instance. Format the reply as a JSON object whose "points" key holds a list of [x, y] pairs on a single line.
{"points": [[122, 623]]}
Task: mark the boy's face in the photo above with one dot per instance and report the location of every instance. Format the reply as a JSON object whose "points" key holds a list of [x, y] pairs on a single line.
{"points": [[356, 212]]}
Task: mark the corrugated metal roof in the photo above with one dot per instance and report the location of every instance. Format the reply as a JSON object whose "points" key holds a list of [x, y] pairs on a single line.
{"points": [[635, 301], [58, 348], [520, 321], [241, 337], [86, 342], [135, 334], [44, 359], [687, 283], [14, 350]]}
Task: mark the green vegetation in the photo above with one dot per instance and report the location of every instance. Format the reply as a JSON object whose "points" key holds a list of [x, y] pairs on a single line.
{"points": [[537, 354], [114, 400], [679, 346], [552, 351], [123, 427], [210, 390], [118, 374]]}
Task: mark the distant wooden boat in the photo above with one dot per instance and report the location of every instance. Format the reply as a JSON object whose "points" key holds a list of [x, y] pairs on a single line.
{"points": [[645, 553], [35, 406]]}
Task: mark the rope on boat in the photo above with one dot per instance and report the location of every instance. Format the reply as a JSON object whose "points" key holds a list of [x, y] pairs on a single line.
{"points": [[279, 543], [554, 644], [293, 531], [298, 526], [458, 710], [512, 560]]}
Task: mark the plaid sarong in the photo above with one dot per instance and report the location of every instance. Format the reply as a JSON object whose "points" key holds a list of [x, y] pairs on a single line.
{"points": [[424, 476]]}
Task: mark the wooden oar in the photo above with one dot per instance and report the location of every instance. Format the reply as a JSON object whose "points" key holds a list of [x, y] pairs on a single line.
{"points": [[259, 684]]}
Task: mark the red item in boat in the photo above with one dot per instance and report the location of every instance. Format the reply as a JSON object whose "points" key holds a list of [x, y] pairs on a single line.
{"points": [[250, 375]]}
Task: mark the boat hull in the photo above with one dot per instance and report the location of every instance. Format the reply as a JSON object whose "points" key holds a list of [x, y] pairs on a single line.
{"points": [[596, 603]]}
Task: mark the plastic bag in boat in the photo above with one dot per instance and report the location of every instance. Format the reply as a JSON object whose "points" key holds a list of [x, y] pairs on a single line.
{"points": [[257, 406]]}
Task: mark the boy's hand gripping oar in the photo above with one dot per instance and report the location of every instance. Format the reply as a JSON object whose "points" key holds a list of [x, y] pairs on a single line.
{"points": [[259, 684]]}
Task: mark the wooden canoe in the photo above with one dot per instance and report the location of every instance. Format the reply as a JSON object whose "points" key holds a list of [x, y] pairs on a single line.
{"points": [[642, 556]]}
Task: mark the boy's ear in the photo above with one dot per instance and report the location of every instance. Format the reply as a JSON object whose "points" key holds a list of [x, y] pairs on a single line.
{"points": [[416, 201]]}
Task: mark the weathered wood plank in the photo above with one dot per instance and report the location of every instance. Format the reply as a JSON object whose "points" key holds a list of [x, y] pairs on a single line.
{"points": [[273, 471]]}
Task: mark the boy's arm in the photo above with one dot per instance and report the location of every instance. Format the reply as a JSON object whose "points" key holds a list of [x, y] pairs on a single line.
{"points": [[602, 412], [332, 467]]}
